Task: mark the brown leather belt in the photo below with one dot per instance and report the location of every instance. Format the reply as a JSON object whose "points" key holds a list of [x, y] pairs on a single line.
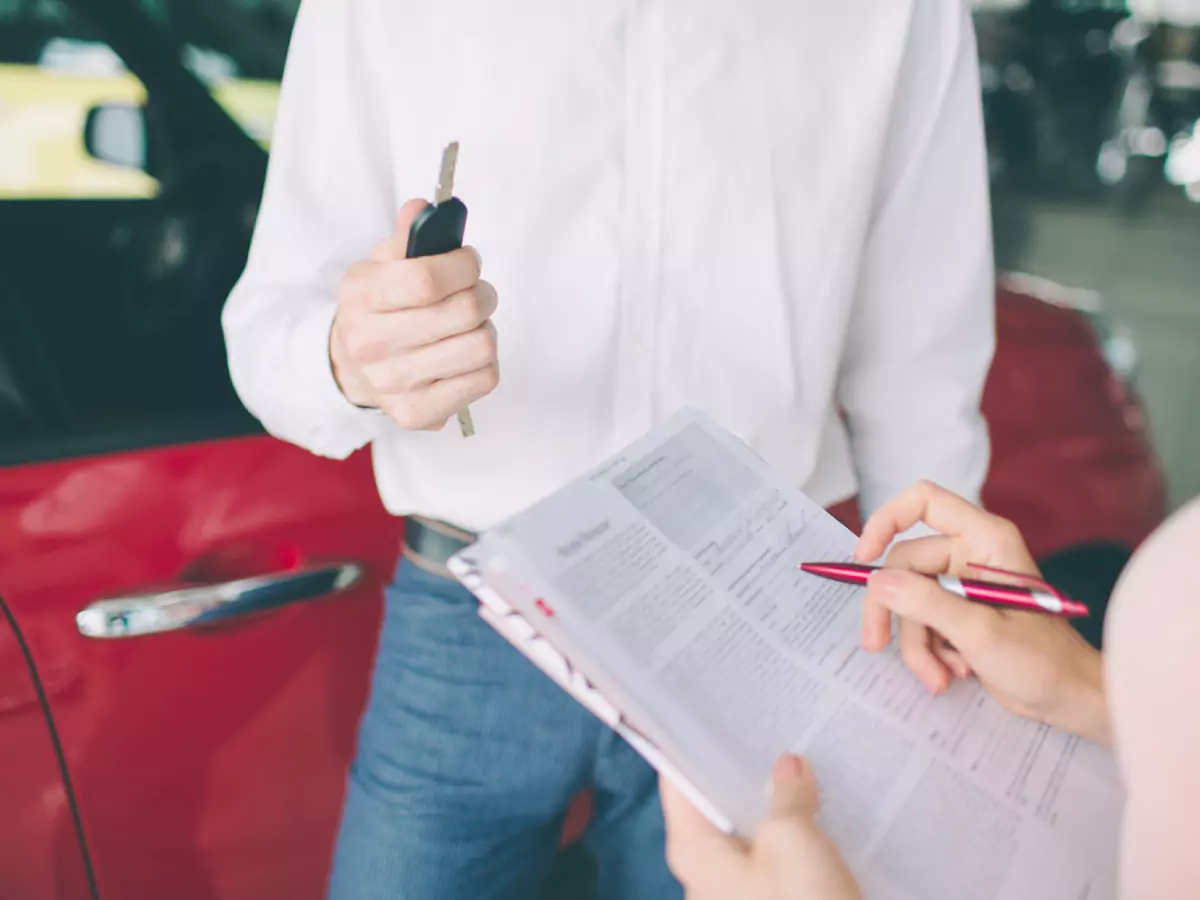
{"points": [[429, 543]]}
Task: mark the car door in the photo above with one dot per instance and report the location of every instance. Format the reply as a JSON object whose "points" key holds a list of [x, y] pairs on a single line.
{"points": [[207, 759], [40, 851], [199, 602]]}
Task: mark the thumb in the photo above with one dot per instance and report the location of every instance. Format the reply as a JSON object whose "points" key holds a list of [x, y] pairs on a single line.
{"points": [[408, 214], [396, 246], [794, 794], [921, 599]]}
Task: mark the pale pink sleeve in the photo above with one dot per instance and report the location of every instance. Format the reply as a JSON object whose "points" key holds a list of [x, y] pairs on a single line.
{"points": [[1152, 648]]}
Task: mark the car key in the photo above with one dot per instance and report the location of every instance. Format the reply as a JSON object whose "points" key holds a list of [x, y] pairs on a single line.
{"points": [[438, 229]]}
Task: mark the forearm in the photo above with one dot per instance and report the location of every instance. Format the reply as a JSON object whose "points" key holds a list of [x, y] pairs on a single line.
{"points": [[326, 202]]}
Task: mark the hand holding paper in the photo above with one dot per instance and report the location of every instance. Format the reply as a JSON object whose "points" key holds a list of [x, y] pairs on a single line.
{"points": [[790, 858]]}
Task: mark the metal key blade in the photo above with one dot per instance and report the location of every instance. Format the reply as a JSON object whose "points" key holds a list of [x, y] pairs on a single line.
{"points": [[445, 185], [466, 424], [445, 190]]}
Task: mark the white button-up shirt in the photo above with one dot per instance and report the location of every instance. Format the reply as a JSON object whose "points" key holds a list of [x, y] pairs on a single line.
{"points": [[772, 210]]}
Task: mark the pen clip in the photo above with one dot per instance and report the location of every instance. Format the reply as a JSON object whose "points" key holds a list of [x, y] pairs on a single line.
{"points": [[1029, 581]]}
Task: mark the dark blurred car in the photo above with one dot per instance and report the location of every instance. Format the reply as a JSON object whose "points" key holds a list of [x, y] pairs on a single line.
{"points": [[1155, 135], [188, 608], [1051, 80]]}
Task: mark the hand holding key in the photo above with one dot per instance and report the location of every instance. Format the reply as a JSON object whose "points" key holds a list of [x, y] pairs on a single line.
{"points": [[413, 336]]}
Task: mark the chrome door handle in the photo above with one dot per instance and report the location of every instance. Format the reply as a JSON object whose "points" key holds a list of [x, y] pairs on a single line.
{"points": [[208, 604]]}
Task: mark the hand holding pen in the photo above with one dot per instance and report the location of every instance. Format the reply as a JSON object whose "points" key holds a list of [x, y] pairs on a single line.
{"points": [[1036, 665]]}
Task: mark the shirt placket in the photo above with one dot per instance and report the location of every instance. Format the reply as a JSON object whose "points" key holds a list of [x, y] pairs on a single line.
{"points": [[636, 393]]}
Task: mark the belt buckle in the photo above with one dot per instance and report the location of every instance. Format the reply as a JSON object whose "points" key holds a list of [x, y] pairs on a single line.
{"points": [[429, 543]]}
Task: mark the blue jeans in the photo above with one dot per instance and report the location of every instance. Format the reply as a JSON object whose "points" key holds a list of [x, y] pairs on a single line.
{"points": [[468, 758]]}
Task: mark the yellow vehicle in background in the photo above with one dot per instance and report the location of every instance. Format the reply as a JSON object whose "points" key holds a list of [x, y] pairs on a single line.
{"points": [[43, 114], [53, 79]]}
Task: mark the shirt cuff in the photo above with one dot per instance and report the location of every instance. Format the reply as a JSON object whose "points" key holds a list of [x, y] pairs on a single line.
{"points": [[343, 426]]}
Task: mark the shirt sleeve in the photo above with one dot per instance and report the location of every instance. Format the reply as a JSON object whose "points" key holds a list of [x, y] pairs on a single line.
{"points": [[922, 331], [327, 201]]}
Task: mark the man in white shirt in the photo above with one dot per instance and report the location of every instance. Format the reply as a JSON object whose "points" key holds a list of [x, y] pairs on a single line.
{"points": [[772, 210]]}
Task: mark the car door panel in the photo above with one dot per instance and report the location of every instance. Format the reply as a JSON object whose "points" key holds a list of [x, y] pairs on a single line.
{"points": [[40, 852], [207, 762]]}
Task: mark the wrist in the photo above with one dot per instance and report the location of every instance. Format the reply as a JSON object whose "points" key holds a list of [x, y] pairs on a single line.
{"points": [[352, 388], [1085, 704]]}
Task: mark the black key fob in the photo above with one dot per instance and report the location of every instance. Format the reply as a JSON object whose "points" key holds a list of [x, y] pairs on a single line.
{"points": [[438, 229]]}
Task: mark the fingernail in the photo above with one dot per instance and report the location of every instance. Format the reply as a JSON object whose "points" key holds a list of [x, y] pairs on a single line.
{"points": [[789, 766], [478, 257]]}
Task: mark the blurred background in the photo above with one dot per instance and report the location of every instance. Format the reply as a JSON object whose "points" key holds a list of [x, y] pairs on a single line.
{"points": [[1093, 118]]}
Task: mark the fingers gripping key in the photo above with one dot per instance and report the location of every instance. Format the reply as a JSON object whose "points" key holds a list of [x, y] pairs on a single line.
{"points": [[439, 229]]}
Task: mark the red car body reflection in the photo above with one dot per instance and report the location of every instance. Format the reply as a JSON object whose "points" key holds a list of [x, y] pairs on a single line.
{"points": [[210, 763], [1072, 462]]}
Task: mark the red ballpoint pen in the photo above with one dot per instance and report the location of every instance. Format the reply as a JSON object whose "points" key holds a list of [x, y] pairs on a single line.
{"points": [[1033, 595]]}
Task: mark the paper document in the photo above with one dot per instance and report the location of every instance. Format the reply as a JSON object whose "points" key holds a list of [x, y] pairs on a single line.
{"points": [[662, 591]]}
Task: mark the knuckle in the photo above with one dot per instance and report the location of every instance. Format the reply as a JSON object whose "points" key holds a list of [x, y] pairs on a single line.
{"points": [[1005, 541], [1009, 533], [476, 304], [356, 341], [490, 295], [491, 344], [490, 379], [420, 284], [354, 291], [927, 489], [407, 413], [482, 346], [401, 376], [468, 312], [474, 262]]}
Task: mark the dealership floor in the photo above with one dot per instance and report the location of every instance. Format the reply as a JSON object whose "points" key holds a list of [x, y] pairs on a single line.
{"points": [[1146, 266]]}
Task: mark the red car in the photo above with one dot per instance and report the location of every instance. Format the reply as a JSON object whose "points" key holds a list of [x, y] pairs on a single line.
{"points": [[188, 607]]}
